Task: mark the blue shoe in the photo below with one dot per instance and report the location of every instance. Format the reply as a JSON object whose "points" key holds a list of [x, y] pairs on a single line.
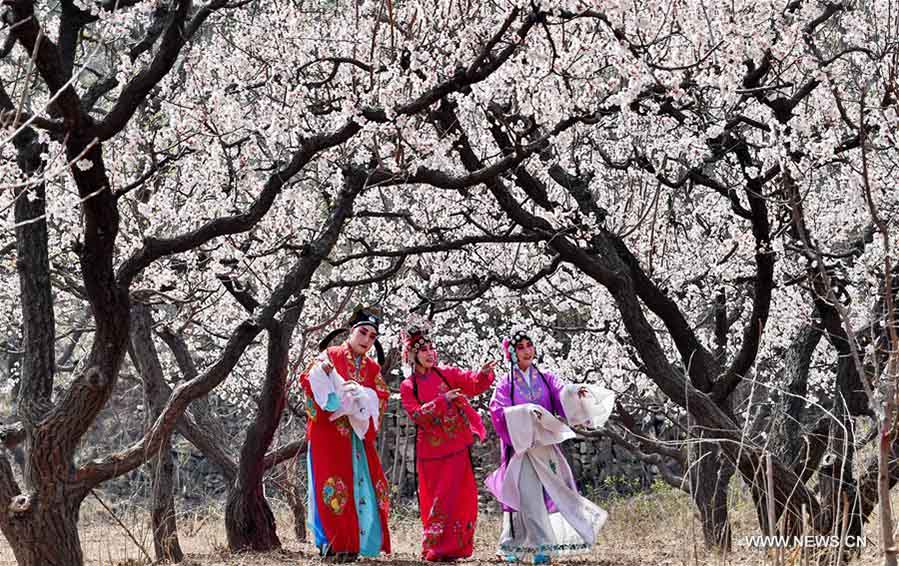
{"points": [[542, 559], [510, 558]]}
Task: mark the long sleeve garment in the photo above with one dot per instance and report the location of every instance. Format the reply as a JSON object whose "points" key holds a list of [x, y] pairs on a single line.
{"points": [[348, 495], [541, 388], [444, 427], [447, 490]]}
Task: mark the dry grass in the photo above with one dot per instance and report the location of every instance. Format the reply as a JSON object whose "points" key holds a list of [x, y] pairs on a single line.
{"points": [[659, 528]]}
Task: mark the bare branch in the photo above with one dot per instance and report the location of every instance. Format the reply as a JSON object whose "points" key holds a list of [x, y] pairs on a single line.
{"points": [[649, 457], [152, 170], [377, 278], [284, 453], [441, 247]]}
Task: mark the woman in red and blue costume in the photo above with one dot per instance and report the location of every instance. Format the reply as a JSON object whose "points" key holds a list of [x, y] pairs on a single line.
{"points": [[348, 497]]}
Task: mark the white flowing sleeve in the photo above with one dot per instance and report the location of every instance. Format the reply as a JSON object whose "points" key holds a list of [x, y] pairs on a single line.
{"points": [[591, 411], [323, 384], [527, 431], [360, 405]]}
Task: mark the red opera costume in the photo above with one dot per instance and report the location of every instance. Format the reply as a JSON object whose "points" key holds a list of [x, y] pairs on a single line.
{"points": [[330, 457], [448, 495]]}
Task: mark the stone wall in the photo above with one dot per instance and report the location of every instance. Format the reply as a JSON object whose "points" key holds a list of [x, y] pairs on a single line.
{"points": [[600, 468]]}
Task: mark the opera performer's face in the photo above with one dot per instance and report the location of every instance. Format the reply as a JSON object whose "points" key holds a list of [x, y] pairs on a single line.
{"points": [[362, 338], [525, 353], [426, 357]]}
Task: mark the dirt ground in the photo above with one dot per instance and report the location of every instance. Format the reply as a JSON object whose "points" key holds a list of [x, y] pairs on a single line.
{"points": [[653, 529]]}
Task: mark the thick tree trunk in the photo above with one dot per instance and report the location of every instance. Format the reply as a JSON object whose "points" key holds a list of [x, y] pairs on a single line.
{"points": [[166, 545], [710, 475], [33, 265], [44, 532], [41, 525], [249, 521], [162, 516]]}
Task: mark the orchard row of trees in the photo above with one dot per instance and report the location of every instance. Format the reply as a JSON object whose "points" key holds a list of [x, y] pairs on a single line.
{"points": [[691, 202]]}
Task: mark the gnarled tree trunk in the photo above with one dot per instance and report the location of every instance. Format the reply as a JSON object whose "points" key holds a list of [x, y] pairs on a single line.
{"points": [[249, 521], [41, 524], [162, 506], [44, 532], [710, 474], [166, 545]]}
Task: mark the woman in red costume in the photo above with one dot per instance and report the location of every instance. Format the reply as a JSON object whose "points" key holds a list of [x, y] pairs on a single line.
{"points": [[348, 498], [437, 401]]}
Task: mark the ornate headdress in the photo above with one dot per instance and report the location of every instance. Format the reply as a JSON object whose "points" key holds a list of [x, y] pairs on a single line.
{"points": [[509, 343], [414, 337], [366, 317]]}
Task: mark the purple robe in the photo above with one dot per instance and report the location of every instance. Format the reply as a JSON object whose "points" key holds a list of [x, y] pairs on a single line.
{"points": [[544, 392]]}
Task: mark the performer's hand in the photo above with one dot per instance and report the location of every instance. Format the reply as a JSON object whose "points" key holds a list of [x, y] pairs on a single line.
{"points": [[488, 367], [453, 394], [326, 366], [352, 389], [538, 414], [582, 392]]}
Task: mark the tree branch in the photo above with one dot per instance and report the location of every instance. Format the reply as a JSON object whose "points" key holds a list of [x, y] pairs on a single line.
{"points": [[27, 31], [484, 64], [284, 453], [240, 293], [761, 299], [179, 349], [377, 278], [155, 248], [71, 23], [137, 89], [296, 280], [146, 359], [654, 458], [440, 247]]}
